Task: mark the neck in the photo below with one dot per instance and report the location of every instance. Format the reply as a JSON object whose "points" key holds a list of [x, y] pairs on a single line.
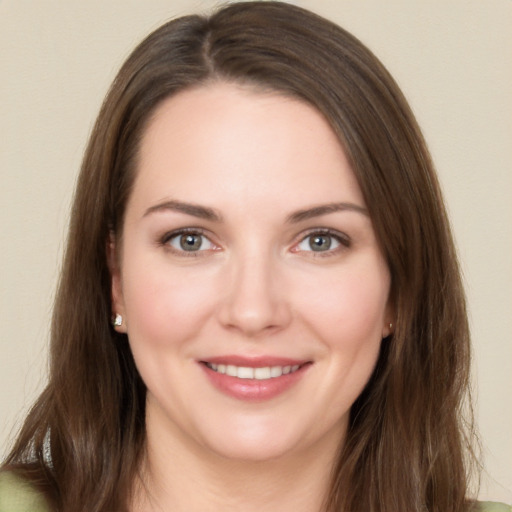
{"points": [[182, 476]]}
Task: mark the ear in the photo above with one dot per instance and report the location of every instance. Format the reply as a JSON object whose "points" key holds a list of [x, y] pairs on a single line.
{"points": [[116, 283], [389, 320], [387, 329]]}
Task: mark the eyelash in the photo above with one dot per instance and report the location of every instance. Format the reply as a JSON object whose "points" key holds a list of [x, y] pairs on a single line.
{"points": [[166, 239], [342, 239]]}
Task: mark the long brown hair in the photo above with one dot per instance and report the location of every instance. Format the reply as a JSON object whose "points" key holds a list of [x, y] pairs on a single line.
{"points": [[406, 446]]}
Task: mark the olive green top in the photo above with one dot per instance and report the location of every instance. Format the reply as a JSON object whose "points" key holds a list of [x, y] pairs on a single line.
{"points": [[18, 496]]}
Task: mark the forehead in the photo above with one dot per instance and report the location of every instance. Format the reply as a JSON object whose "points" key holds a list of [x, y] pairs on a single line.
{"points": [[223, 139]]}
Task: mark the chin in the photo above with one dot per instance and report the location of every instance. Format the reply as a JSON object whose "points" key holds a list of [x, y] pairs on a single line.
{"points": [[251, 452], [256, 443]]}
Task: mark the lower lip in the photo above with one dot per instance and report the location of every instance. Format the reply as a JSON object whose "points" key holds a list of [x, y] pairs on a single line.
{"points": [[254, 390]]}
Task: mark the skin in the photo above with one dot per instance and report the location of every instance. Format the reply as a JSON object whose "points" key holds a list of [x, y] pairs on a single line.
{"points": [[255, 287]]}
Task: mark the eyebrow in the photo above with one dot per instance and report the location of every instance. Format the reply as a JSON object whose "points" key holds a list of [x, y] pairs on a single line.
{"points": [[194, 210], [206, 213], [324, 209]]}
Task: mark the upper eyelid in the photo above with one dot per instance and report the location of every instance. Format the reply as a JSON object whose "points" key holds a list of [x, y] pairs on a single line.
{"points": [[180, 231], [324, 231], [169, 235], [339, 235]]}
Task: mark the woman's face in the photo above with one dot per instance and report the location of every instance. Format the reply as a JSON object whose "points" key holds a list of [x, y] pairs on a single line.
{"points": [[253, 291]]}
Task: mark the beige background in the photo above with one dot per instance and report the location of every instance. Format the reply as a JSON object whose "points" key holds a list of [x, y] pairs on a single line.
{"points": [[452, 58]]}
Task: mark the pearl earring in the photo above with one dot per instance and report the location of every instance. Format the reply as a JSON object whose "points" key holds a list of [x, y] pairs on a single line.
{"points": [[117, 321]]}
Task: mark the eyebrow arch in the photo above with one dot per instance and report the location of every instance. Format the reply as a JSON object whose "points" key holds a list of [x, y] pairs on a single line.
{"points": [[194, 210], [317, 211]]}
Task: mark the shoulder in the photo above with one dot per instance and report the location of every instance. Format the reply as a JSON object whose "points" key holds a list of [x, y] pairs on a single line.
{"points": [[16, 495], [490, 506]]}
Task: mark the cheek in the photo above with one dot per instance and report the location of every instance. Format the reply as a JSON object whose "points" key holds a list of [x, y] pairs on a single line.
{"points": [[349, 306], [347, 316], [163, 304]]}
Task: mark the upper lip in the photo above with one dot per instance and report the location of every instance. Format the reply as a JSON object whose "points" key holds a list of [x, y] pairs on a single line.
{"points": [[254, 361]]}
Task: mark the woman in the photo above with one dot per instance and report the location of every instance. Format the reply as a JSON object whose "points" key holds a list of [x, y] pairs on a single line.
{"points": [[260, 305]]}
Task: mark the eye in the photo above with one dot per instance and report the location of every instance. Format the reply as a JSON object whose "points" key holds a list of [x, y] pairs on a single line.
{"points": [[322, 242], [189, 241]]}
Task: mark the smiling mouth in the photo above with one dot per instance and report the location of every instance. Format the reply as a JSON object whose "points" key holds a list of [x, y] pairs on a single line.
{"points": [[254, 379], [258, 373]]}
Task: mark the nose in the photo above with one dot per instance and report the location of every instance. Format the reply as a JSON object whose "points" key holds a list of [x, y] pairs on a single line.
{"points": [[255, 300]]}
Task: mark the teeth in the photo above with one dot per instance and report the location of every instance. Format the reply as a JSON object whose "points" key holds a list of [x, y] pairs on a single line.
{"points": [[230, 370], [245, 372], [262, 373], [276, 371]]}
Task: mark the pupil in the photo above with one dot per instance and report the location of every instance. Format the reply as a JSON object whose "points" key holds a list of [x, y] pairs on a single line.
{"points": [[190, 242], [320, 243]]}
